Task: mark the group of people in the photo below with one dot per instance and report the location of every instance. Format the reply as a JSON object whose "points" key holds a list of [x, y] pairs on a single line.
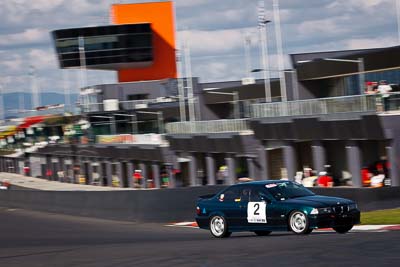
{"points": [[309, 178], [376, 174], [139, 179], [383, 89]]}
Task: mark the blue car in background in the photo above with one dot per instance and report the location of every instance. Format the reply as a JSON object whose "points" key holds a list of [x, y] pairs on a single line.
{"points": [[265, 206]]}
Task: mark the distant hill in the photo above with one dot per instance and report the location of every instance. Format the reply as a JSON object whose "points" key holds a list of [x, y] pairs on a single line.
{"points": [[12, 101]]}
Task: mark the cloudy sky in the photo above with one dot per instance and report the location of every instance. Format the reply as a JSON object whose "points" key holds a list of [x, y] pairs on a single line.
{"points": [[215, 30]]}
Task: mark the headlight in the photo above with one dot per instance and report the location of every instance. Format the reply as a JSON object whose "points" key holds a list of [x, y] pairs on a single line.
{"points": [[353, 206], [314, 211], [325, 210]]}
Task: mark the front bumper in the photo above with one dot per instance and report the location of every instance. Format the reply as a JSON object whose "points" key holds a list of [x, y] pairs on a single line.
{"points": [[335, 220]]}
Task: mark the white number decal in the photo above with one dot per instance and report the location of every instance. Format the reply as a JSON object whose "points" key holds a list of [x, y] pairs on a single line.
{"points": [[256, 212]]}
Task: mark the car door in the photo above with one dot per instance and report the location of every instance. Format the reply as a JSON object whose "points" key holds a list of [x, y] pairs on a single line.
{"points": [[253, 208], [229, 205], [273, 209]]}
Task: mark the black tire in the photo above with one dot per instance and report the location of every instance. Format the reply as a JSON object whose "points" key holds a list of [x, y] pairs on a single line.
{"points": [[262, 233], [343, 229], [219, 227], [299, 223]]}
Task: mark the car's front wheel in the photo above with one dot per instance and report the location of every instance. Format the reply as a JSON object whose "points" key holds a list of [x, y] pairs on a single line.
{"points": [[343, 229], [298, 222], [219, 227]]}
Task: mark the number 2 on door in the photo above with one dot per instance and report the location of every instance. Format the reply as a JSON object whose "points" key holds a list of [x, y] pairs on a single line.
{"points": [[256, 212]]}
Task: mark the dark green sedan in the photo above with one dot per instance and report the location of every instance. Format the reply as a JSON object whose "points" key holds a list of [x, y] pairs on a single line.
{"points": [[265, 206]]}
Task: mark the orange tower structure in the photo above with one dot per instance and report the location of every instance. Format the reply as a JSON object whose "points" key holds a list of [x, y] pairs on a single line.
{"points": [[161, 17]]}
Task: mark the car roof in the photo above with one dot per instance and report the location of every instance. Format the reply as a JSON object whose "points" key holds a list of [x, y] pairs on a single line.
{"points": [[264, 182]]}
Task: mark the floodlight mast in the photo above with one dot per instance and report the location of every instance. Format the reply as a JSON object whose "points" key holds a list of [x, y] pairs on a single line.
{"points": [[281, 64], [262, 28]]}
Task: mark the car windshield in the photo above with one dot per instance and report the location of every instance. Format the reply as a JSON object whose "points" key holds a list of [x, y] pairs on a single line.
{"points": [[286, 190]]}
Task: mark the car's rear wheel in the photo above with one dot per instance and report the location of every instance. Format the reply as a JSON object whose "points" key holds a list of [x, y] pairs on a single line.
{"points": [[219, 227], [262, 233], [298, 222], [343, 229]]}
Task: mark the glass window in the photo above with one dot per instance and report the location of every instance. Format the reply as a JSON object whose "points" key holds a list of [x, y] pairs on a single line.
{"points": [[230, 194], [286, 190]]}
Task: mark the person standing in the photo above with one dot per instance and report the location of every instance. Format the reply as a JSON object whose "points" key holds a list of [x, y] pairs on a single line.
{"points": [[384, 89]]}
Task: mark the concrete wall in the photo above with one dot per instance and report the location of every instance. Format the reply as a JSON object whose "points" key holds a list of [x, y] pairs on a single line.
{"points": [[168, 205]]}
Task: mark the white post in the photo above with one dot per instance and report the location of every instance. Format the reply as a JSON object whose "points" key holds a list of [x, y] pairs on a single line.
{"points": [[82, 60], [181, 89], [189, 82], [236, 103], [67, 93], [247, 45], [361, 74], [264, 49], [34, 88], [281, 65], [398, 19], [82, 67], [2, 108]]}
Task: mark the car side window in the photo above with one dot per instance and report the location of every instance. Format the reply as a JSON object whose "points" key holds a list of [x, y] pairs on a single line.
{"points": [[230, 195], [245, 194], [258, 194]]}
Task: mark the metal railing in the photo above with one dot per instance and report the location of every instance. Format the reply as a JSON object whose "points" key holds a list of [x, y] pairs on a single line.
{"points": [[215, 126], [332, 105], [391, 103], [128, 104]]}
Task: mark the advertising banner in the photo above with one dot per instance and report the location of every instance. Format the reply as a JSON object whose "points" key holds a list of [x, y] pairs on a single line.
{"points": [[145, 139]]}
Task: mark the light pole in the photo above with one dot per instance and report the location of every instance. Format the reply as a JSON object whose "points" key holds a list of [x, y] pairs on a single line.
{"points": [[67, 93], [189, 81], [262, 28], [34, 88], [247, 45], [360, 66], [278, 34], [2, 113], [235, 96], [181, 87], [398, 19]]}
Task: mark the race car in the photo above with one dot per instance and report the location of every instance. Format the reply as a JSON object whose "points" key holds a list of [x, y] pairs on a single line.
{"points": [[265, 206]]}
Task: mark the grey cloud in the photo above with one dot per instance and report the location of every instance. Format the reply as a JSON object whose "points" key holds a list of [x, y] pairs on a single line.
{"points": [[347, 24]]}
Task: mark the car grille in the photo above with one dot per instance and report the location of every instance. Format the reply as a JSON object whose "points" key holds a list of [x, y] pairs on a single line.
{"points": [[341, 209]]}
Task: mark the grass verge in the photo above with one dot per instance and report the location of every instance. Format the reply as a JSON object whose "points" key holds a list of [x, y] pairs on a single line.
{"points": [[391, 216]]}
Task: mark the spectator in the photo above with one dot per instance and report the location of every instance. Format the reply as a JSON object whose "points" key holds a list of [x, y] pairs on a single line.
{"points": [[384, 89], [164, 180], [222, 174], [324, 180], [366, 176], [49, 174], [137, 178], [96, 178]]}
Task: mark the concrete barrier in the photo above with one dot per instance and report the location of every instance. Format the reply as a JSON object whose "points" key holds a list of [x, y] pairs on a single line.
{"points": [[167, 205]]}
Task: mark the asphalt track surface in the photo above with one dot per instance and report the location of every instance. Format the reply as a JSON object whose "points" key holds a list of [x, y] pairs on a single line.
{"points": [[32, 239]]}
